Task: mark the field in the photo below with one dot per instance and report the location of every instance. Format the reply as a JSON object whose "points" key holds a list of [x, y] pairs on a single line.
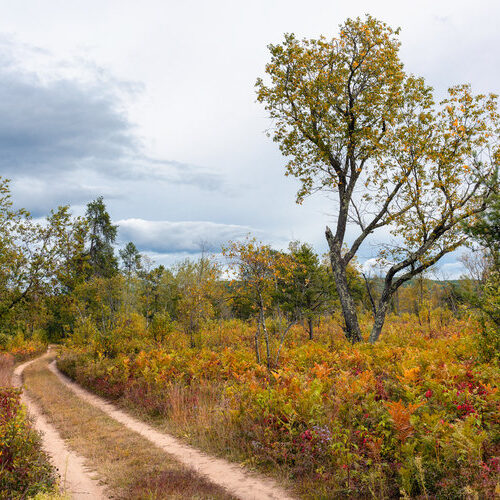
{"points": [[415, 415], [244, 347]]}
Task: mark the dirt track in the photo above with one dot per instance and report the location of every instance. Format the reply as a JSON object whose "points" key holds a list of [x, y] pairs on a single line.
{"points": [[76, 480]]}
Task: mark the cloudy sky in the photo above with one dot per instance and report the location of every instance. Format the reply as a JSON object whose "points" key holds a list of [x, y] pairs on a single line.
{"points": [[151, 104]]}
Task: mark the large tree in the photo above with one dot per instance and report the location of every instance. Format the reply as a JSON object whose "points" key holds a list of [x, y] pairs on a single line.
{"points": [[355, 125]]}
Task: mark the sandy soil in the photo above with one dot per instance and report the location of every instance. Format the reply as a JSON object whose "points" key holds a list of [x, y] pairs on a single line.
{"points": [[241, 483], [76, 480]]}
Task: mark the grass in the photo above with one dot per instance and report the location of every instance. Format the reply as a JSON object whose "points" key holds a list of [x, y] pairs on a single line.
{"points": [[127, 463]]}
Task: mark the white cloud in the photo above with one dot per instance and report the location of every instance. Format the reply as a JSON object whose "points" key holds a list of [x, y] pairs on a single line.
{"points": [[450, 271], [375, 267], [179, 237]]}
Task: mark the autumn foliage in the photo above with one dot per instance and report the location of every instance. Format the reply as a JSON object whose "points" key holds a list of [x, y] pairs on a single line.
{"points": [[341, 384], [413, 415], [24, 467]]}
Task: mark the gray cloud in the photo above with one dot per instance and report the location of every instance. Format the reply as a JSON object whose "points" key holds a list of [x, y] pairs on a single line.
{"points": [[179, 237], [48, 127], [51, 128], [197, 103], [40, 196]]}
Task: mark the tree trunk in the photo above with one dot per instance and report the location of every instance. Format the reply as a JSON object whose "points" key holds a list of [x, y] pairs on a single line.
{"points": [[268, 349], [310, 325], [257, 335], [352, 330], [380, 316], [370, 296], [266, 333]]}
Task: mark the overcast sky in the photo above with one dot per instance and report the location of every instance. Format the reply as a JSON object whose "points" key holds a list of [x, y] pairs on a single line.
{"points": [[151, 104]]}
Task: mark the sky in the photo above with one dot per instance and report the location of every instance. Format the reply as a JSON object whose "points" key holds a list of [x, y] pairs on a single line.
{"points": [[152, 105]]}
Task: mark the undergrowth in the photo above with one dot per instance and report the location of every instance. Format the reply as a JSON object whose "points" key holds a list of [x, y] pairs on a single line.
{"points": [[25, 470], [414, 415]]}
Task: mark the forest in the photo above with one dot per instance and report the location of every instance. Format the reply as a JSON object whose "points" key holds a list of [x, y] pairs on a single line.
{"points": [[336, 381]]}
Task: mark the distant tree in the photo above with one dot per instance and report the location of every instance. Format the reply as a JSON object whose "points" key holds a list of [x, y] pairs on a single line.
{"points": [[101, 236], [484, 267], [485, 227], [354, 124], [261, 274], [71, 270], [198, 285], [36, 259], [151, 291], [131, 259]]}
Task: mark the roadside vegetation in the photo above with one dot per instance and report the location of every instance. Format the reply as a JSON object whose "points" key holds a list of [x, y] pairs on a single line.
{"points": [[129, 465], [25, 470], [20, 348], [415, 414]]}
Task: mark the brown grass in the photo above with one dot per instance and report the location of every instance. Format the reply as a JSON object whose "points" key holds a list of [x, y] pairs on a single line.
{"points": [[127, 463], [196, 415]]}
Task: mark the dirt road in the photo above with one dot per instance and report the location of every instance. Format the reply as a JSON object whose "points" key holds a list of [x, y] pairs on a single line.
{"points": [[236, 480]]}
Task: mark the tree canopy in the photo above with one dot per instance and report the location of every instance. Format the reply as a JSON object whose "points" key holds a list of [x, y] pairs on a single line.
{"points": [[353, 123]]}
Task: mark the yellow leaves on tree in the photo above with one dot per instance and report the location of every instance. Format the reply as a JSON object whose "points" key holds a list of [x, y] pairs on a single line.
{"points": [[346, 115]]}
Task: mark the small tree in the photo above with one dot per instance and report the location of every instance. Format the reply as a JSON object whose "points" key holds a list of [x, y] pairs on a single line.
{"points": [[131, 259], [198, 286], [157, 291], [485, 228], [485, 231], [354, 124], [262, 273], [310, 290]]}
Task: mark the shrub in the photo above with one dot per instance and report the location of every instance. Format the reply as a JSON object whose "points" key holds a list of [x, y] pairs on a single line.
{"points": [[24, 468]]}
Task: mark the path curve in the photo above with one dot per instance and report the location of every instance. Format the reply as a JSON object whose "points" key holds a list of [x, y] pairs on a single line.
{"points": [[76, 480], [239, 482]]}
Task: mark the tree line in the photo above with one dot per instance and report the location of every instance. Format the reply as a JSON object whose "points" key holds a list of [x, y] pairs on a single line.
{"points": [[65, 272]]}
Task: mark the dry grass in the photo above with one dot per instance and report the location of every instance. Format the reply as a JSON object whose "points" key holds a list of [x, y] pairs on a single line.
{"points": [[129, 465], [197, 416], [6, 367]]}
